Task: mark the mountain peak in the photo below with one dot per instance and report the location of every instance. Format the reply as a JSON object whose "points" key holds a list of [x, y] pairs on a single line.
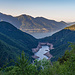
{"points": [[24, 15]]}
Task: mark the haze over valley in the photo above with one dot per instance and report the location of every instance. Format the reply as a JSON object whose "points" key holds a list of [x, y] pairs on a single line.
{"points": [[34, 26]]}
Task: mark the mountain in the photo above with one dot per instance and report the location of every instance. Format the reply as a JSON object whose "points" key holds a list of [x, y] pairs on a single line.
{"points": [[30, 24], [60, 41], [8, 18], [71, 27], [13, 41], [71, 23]]}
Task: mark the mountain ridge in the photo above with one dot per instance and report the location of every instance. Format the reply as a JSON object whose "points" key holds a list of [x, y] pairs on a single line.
{"points": [[30, 24], [60, 40], [13, 41]]}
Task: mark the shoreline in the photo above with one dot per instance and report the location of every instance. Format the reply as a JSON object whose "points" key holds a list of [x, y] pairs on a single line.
{"points": [[34, 50]]}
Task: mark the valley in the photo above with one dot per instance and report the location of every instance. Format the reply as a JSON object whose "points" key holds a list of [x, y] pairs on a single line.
{"points": [[44, 51], [37, 37], [14, 38]]}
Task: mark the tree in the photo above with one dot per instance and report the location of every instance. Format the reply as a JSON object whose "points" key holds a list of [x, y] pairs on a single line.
{"points": [[22, 67]]}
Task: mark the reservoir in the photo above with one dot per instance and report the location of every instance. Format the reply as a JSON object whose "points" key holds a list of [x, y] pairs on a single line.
{"points": [[42, 51]]}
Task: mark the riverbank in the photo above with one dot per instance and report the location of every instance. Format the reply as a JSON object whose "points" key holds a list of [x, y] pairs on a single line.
{"points": [[35, 50], [48, 55]]}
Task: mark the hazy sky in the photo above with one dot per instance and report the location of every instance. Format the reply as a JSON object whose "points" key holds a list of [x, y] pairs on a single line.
{"points": [[52, 9]]}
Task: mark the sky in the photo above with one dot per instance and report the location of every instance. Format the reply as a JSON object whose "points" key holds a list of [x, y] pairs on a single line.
{"points": [[59, 10]]}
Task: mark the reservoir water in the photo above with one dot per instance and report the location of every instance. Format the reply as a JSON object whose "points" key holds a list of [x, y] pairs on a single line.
{"points": [[41, 52]]}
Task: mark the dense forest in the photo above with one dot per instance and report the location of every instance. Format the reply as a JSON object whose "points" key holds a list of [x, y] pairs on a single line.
{"points": [[15, 52], [13, 41], [61, 41], [64, 65]]}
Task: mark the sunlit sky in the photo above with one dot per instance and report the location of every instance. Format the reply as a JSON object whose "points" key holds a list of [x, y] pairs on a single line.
{"points": [[52, 9]]}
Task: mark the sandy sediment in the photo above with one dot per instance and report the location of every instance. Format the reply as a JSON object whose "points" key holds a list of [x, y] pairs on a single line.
{"points": [[34, 50], [48, 55], [35, 57], [51, 47], [43, 44]]}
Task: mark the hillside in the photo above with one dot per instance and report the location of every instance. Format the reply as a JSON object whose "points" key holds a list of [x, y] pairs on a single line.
{"points": [[64, 65], [7, 53], [14, 41], [30, 24], [60, 41], [71, 27], [71, 23]]}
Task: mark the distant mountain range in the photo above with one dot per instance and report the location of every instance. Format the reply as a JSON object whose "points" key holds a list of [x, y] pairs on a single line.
{"points": [[60, 41], [71, 23], [30, 24], [13, 41]]}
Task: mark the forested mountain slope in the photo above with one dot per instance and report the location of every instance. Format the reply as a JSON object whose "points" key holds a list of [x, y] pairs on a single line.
{"points": [[14, 41], [61, 40]]}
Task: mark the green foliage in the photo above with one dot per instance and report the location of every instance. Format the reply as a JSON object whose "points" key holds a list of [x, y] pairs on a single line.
{"points": [[64, 66], [60, 42], [13, 41], [65, 57], [7, 53], [10, 47], [42, 64], [22, 67]]}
